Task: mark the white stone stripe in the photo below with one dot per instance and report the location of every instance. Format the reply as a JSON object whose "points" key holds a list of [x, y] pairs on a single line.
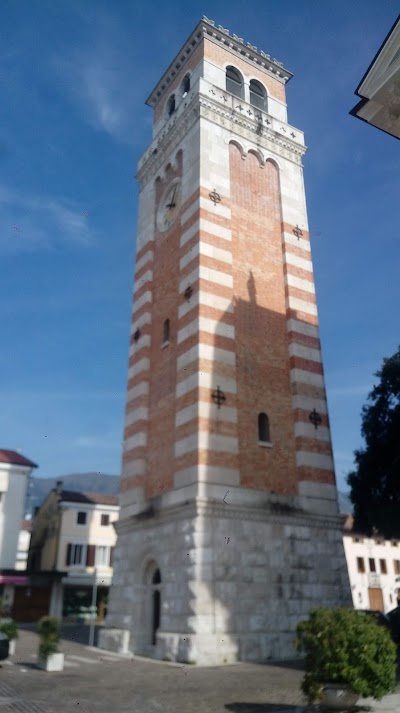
{"points": [[137, 440], [143, 343], [296, 325], [207, 473], [204, 379], [189, 233], [206, 273], [307, 430], [134, 467], [301, 305], [139, 366], [205, 324], [307, 403], [213, 229], [144, 318], [314, 460], [202, 248], [189, 212], [290, 239], [303, 352], [299, 283], [205, 409], [146, 277], [300, 376], [144, 299], [208, 300], [141, 389], [148, 256], [205, 203], [208, 353], [206, 441], [138, 414], [297, 261]]}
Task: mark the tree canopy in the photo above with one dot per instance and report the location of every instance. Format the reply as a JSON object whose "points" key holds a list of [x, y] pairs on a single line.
{"points": [[375, 482]]}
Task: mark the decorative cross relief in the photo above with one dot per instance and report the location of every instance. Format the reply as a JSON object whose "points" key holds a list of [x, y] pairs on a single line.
{"points": [[215, 197], [218, 396], [315, 418], [297, 232]]}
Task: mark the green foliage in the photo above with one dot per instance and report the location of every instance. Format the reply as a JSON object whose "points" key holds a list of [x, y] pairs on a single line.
{"points": [[375, 482], [49, 633], [9, 628], [346, 646]]}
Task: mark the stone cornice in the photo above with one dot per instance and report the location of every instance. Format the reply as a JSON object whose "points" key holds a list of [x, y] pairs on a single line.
{"points": [[222, 37], [245, 127]]}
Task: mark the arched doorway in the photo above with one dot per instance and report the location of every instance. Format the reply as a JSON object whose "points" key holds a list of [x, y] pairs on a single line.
{"points": [[156, 605]]}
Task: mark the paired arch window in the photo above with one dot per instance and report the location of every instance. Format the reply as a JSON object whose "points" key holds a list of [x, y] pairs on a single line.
{"points": [[171, 105], [258, 95], [264, 435], [186, 86], [234, 82]]}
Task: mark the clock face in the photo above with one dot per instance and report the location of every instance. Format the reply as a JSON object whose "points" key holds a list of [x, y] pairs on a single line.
{"points": [[169, 207]]}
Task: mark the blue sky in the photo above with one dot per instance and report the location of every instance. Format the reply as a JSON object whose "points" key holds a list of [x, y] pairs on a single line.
{"points": [[74, 77]]}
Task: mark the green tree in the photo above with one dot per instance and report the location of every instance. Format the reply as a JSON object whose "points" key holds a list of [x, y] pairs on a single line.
{"points": [[375, 482]]}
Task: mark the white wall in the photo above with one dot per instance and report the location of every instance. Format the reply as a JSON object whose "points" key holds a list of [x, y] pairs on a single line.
{"points": [[13, 485], [367, 548]]}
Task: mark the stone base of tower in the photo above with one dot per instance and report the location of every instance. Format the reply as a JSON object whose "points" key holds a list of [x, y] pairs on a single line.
{"points": [[212, 583]]}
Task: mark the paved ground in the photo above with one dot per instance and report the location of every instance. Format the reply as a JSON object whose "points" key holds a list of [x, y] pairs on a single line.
{"points": [[95, 681]]}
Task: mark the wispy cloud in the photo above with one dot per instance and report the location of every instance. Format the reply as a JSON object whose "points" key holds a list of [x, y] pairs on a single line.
{"points": [[31, 222]]}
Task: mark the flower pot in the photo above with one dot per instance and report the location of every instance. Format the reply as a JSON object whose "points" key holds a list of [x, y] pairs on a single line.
{"points": [[339, 697], [53, 662]]}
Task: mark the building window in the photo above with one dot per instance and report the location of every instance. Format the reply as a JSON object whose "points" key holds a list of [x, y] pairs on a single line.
{"points": [[75, 555], [166, 332], [395, 543], [358, 539], [102, 556], [396, 565], [186, 86], [258, 95], [359, 598], [234, 82], [372, 565], [171, 105], [360, 565], [104, 520], [263, 428], [81, 518], [382, 564]]}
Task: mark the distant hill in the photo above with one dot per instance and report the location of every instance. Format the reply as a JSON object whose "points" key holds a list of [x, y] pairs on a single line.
{"points": [[80, 482]]}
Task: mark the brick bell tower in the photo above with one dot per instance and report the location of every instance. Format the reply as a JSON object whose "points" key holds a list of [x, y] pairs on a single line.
{"points": [[229, 530]]}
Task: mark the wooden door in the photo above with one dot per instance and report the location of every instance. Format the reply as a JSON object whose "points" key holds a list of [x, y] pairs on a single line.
{"points": [[375, 599], [30, 603]]}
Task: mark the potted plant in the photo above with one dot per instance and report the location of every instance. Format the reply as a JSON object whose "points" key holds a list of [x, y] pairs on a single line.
{"points": [[10, 629], [49, 657], [348, 655]]}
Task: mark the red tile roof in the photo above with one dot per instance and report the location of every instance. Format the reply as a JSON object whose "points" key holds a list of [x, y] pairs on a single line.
{"points": [[15, 458]]}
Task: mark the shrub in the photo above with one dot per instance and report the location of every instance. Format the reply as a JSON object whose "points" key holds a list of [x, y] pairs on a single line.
{"points": [[49, 633], [346, 646], [9, 628]]}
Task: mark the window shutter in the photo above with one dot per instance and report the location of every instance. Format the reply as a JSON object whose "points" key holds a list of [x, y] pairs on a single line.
{"points": [[90, 555], [111, 555], [68, 558]]}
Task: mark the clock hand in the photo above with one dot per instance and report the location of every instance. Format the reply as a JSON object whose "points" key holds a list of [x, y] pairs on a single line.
{"points": [[171, 204]]}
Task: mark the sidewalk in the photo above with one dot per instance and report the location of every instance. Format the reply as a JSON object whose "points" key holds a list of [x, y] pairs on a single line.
{"points": [[96, 681]]}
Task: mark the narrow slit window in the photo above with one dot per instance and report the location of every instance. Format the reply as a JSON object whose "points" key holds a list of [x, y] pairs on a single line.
{"points": [[171, 105], [258, 95], [234, 82], [263, 428], [166, 331], [186, 86]]}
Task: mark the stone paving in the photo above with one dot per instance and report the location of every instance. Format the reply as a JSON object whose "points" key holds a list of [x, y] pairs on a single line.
{"points": [[95, 681]]}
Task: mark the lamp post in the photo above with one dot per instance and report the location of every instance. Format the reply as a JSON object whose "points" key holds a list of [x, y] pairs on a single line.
{"points": [[94, 609]]}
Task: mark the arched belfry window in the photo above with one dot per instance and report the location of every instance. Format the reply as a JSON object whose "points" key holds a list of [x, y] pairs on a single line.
{"points": [[234, 82], [166, 331], [263, 428], [171, 105], [186, 86], [258, 95]]}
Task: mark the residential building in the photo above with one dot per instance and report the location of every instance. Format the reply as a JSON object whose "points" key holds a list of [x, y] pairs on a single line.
{"points": [[229, 530], [15, 470], [74, 533], [374, 569], [379, 88], [24, 539]]}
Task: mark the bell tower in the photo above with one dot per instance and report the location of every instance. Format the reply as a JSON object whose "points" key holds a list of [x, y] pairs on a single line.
{"points": [[229, 530]]}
